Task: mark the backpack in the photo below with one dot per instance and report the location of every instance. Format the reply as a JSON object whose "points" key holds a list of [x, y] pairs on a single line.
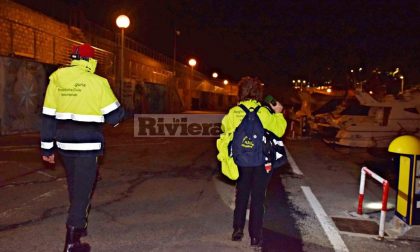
{"points": [[247, 143], [274, 150]]}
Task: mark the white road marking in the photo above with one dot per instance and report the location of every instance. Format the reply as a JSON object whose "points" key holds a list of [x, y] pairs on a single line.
{"points": [[292, 163], [326, 222]]}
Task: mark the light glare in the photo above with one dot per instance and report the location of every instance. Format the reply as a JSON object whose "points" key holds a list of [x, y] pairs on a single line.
{"points": [[123, 21], [192, 62]]}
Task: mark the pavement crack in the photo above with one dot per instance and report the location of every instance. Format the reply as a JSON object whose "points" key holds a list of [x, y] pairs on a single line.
{"points": [[189, 172], [50, 212]]}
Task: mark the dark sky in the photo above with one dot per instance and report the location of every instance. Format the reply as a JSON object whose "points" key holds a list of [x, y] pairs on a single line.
{"points": [[275, 40]]}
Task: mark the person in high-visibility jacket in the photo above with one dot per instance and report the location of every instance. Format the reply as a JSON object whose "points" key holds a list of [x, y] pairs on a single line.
{"points": [[251, 181], [77, 103]]}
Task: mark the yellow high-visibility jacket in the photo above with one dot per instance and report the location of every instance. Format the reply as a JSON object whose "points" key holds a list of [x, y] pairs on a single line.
{"points": [[77, 102], [272, 122]]}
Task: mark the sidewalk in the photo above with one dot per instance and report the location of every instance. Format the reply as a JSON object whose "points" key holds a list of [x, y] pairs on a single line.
{"points": [[334, 176]]}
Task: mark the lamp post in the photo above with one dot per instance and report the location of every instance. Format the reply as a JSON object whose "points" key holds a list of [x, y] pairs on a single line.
{"points": [[122, 22], [402, 83], [176, 33], [192, 62]]}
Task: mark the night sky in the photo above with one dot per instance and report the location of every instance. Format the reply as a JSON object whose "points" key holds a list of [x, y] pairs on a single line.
{"points": [[275, 40]]}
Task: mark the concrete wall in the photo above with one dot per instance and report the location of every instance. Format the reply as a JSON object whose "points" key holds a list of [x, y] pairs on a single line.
{"points": [[22, 88], [27, 37]]}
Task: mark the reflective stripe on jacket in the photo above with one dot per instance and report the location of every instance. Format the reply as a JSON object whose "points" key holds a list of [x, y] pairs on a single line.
{"points": [[77, 102], [76, 93]]}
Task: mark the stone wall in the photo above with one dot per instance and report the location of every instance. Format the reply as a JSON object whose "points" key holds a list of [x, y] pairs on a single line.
{"points": [[32, 34], [29, 36], [22, 88]]}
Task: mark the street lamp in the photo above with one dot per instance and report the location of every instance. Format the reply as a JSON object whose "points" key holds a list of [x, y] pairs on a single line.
{"points": [[176, 33], [215, 75], [225, 82], [402, 83], [122, 22], [192, 62]]}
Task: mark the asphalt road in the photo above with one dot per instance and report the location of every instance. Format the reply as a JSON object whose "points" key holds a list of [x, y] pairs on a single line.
{"points": [[166, 194]]}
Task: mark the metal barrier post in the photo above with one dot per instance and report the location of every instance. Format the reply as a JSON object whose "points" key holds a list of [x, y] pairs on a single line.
{"points": [[385, 186]]}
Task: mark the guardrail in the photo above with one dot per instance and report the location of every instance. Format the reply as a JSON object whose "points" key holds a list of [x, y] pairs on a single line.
{"points": [[385, 186]]}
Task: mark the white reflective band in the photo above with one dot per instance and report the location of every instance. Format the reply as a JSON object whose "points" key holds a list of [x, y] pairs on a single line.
{"points": [[47, 145], [80, 118], [278, 155], [48, 111], [280, 143], [111, 107], [79, 146]]}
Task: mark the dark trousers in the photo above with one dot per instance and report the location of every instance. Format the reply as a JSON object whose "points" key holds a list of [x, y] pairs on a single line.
{"points": [[81, 177], [252, 181]]}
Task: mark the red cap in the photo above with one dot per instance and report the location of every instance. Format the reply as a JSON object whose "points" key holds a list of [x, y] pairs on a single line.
{"points": [[84, 50]]}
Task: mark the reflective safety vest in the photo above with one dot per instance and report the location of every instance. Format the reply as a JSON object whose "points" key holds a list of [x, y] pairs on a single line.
{"points": [[271, 122], [77, 102]]}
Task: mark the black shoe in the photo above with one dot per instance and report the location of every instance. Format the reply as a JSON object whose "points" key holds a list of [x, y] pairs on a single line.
{"points": [[237, 234], [256, 241], [83, 247], [73, 243]]}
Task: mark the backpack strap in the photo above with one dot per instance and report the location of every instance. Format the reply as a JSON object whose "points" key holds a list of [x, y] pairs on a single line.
{"points": [[247, 110], [244, 108]]}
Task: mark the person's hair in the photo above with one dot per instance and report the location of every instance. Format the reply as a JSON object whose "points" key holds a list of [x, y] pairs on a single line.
{"points": [[250, 89]]}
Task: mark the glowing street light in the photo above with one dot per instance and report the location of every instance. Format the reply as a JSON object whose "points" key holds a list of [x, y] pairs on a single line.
{"points": [[225, 82], [122, 22], [192, 62], [215, 75]]}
